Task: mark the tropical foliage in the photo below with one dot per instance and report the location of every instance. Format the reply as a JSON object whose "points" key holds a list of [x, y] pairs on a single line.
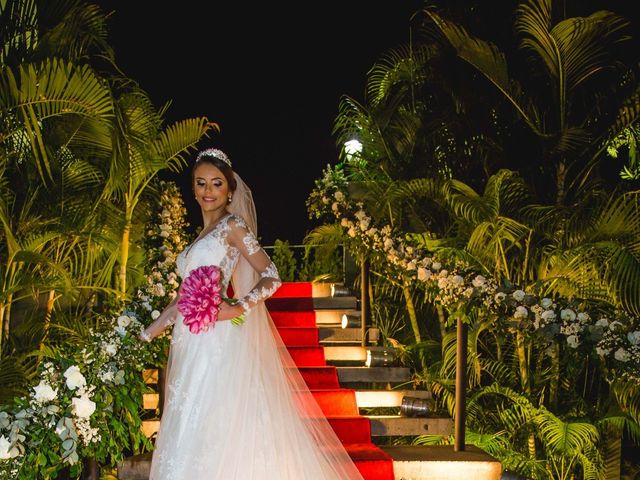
{"points": [[481, 191], [81, 148]]}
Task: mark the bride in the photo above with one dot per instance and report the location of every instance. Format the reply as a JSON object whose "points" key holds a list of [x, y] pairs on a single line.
{"points": [[237, 407]]}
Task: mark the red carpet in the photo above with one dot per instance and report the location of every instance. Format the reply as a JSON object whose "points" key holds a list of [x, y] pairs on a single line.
{"points": [[292, 312]]}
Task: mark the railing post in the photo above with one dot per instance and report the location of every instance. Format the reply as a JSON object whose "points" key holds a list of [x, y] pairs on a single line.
{"points": [[364, 299], [461, 385]]}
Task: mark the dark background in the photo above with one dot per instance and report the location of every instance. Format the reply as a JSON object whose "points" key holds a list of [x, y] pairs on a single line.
{"points": [[272, 74]]}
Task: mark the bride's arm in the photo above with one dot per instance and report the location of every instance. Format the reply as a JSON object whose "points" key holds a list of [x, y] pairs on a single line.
{"points": [[245, 241], [166, 318]]}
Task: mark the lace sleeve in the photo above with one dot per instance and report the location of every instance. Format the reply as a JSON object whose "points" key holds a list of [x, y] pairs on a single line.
{"points": [[245, 241], [166, 319]]}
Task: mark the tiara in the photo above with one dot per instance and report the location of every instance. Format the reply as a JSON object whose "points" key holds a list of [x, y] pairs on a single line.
{"points": [[214, 152]]}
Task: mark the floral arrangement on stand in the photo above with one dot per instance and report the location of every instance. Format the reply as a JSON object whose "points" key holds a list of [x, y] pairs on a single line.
{"points": [[165, 238], [88, 400], [86, 404], [612, 335]]}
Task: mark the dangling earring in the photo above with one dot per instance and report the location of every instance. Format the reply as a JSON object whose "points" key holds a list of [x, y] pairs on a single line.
{"points": [[229, 199]]}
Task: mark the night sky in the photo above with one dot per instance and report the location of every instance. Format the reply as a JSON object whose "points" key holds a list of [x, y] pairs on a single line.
{"points": [[270, 75]]}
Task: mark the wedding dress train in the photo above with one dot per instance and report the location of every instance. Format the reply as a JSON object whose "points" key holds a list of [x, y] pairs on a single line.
{"points": [[237, 407]]}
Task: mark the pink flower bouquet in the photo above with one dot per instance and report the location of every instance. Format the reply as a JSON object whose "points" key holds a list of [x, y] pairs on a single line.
{"points": [[200, 298]]}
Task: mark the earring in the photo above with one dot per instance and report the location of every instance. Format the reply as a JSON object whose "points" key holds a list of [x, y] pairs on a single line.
{"points": [[230, 198]]}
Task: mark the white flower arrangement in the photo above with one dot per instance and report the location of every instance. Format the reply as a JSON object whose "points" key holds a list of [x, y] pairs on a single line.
{"points": [[457, 284]]}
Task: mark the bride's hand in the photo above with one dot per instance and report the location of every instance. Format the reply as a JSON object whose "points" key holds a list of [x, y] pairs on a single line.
{"points": [[227, 312]]}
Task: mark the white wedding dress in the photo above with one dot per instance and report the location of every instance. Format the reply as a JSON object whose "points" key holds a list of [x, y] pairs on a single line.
{"points": [[236, 406]]}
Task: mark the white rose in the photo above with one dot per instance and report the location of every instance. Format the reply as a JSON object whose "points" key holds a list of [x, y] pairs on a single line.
{"points": [[110, 349], [583, 317], [458, 280], [521, 312], [435, 266], [518, 295], [388, 243], [344, 222], [442, 282], [83, 407], [334, 207], [155, 314], [423, 274], [499, 297], [325, 200], [158, 290], [567, 314], [74, 378], [351, 232], [360, 215], [546, 303], [372, 231], [339, 196], [634, 337], [479, 281], [120, 331], [548, 316], [622, 355], [614, 325], [603, 351], [6, 452], [44, 393], [124, 321], [411, 265], [107, 376], [603, 322], [573, 341]]}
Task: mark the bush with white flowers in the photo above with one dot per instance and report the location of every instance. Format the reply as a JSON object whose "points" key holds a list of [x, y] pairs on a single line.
{"points": [[457, 286], [165, 238], [86, 404]]}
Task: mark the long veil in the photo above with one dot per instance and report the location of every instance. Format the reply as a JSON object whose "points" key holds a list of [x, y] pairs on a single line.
{"points": [[308, 443]]}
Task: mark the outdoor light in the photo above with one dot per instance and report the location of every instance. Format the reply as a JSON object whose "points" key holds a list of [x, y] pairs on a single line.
{"points": [[385, 357], [339, 290], [414, 407], [350, 321], [352, 147]]}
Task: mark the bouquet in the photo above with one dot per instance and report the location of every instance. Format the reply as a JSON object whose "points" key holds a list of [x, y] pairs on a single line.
{"points": [[201, 297]]}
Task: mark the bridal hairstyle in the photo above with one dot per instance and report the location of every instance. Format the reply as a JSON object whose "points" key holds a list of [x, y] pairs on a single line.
{"points": [[218, 159]]}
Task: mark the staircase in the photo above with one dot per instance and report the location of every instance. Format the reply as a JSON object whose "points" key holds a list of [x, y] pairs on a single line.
{"points": [[331, 360]]}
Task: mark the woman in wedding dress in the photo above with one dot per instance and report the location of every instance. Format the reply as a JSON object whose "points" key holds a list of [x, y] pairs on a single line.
{"points": [[236, 406]]}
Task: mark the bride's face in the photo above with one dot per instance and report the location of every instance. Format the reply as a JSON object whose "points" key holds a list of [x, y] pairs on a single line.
{"points": [[211, 187]]}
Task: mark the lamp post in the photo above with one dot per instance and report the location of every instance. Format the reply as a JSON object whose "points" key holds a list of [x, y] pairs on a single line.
{"points": [[461, 384]]}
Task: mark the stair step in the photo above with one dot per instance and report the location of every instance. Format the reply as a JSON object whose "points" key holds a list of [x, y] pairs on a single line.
{"points": [[387, 398], [351, 429], [373, 374], [339, 335], [285, 318], [345, 354], [416, 462], [321, 377], [400, 426], [372, 462], [336, 401], [299, 336], [305, 304], [303, 290], [307, 356], [150, 427]]}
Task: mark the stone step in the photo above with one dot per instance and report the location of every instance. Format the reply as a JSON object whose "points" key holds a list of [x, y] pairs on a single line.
{"points": [[364, 398], [346, 374], [400, 426], [417, 462], [352, 355], [329, 335], [387, 398], [306, 304], [410, 462], [373, 374]]}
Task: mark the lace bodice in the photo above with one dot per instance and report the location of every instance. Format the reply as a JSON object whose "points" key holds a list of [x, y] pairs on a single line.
{"points": [[222, 246]]}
